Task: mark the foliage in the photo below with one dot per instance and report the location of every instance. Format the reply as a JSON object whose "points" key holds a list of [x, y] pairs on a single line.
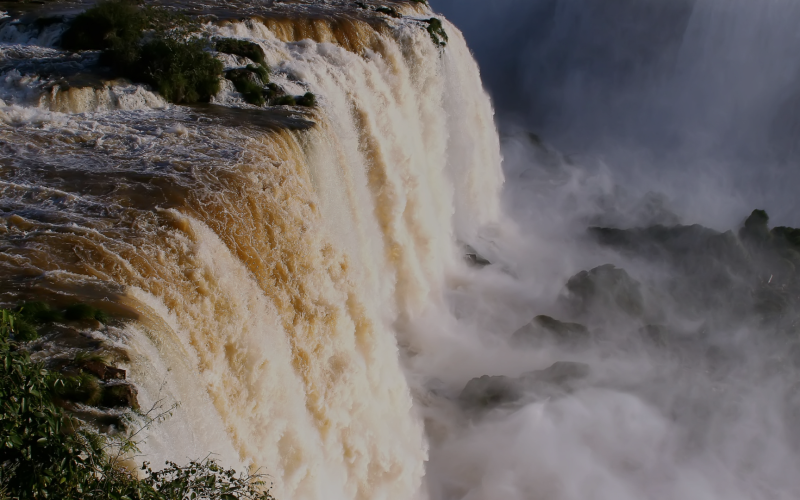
{"points": [[45, 453], [173, 62], [242, 48], [249, 82], [204, 479], [81, 388], [260, 71], [38, 313], [41, 452], [308, 99], [84, 312], [437, 32], [108, 25], [182, 72]]}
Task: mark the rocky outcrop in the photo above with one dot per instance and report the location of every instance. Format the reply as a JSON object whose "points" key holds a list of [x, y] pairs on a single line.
{"points": [[604, 290], [544, 328], [718, 273], [487, 392]]}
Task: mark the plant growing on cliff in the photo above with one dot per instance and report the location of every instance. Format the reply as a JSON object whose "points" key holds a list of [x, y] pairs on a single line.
{"points": [[45, 453], [437, 32]]}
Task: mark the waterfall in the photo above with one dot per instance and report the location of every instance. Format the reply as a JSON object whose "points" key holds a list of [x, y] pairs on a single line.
{"points": [[275, 276]]}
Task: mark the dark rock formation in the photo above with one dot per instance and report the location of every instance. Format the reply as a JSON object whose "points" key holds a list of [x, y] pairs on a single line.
{"points": [[544, 328], [605, 290], [718, 273], [488, 392], [102, 370], [120, 395], [474, 258]]}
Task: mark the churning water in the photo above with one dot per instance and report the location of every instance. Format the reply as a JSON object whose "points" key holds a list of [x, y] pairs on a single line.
{"points": [[296, 278]]}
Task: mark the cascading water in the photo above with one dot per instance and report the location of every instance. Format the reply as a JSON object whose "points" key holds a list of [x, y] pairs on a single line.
{"points": [[271, 264], [295, 277]]}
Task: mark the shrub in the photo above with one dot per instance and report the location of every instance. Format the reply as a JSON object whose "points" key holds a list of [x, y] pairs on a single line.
{"points": [[249, 82], [45, 453], [308, 100], [24, 331], [109, 24], [204, 479], [83, 388], [285, 100], [242, 48], [272, 91], [260, 71], [437, 32], [84, 312], [38, 313], [182, 72]]}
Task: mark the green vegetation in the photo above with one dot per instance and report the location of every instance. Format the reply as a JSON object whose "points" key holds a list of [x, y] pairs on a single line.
{"points": [[32, 315], [250, 82], [436, 31], [308, 100], [171, 61], [182, 72], [242, 48], [39, 313], [46, 453], [79, 312], [109, 25], [285, 100]]}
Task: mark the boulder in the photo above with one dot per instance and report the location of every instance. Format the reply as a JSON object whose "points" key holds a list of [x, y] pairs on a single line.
{"points": [[474, 258], [604, 289], [547, 328], [487, 392], [103, 371], [120, 395], [756, 229]]}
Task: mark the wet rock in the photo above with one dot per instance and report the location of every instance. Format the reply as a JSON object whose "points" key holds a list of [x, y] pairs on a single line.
{"points": [[787, 236], [474, 258], [105, 422], [489, 392], [102, 370], [120, 395], [544, 328], [604, 289], [756, 229], [690, 248]]}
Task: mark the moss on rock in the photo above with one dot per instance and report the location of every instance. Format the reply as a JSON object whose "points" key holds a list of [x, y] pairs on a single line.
{"points": [[242, 48]]}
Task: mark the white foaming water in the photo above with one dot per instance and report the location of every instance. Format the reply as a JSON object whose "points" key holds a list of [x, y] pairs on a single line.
{"points": [[271, 302], [275, 274]]}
